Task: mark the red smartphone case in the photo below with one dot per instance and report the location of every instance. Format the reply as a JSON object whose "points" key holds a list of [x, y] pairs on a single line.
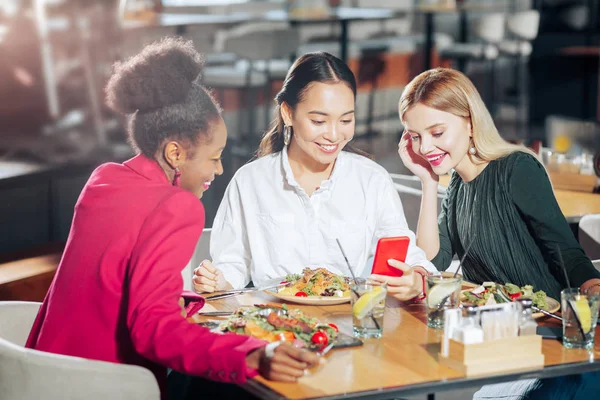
{"points": [[390, 248]]}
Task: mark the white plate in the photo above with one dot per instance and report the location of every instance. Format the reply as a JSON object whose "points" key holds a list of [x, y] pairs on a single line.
{"points": [[309, 300], [552, 306]]}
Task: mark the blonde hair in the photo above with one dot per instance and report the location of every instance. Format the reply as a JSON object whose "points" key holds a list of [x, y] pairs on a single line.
{"points": [[450, 91]]}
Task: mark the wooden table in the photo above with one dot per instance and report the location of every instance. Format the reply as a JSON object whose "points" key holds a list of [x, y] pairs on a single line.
{"points": [[573, 205], [402, 363]]}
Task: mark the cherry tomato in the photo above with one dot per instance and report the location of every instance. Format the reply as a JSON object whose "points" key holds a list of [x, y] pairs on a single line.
{"points": [[320, 337], [334, 326], [515, 295], [301, 294]]}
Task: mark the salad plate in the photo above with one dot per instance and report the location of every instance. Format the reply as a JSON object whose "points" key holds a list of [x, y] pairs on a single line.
{"points": [[315, 287], [277, 322], [492, 293]]}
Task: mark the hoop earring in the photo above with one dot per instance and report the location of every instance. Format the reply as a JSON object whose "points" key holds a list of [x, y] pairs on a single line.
{"points": [[177, 177], [287, 134]]}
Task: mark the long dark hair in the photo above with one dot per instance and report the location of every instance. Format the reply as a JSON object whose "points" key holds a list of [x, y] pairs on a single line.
{"points": [[310, 68], [158, 91]]}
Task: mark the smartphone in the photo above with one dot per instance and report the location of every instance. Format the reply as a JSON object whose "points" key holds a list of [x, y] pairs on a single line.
{"points": [[550, 332], [387, 248], [343, 341]]}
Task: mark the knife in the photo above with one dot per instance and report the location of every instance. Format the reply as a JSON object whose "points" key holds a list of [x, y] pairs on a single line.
{"points": [[546, 313], [215, 313], [235, 292]]}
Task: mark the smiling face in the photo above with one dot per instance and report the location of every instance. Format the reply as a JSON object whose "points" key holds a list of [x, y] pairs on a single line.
{"points": [[441, 138], [322, 122], [198, 172]]}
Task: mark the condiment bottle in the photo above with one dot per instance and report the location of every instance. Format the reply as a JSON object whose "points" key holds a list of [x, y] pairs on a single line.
{"points": [[469, 331], [527, 325]]}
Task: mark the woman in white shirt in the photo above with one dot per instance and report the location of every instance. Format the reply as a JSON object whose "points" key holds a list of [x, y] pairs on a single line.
{"points": [[284, 211]]}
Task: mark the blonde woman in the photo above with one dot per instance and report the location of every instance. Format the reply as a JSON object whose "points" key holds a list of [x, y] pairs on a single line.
{"points": [[499, 198]]}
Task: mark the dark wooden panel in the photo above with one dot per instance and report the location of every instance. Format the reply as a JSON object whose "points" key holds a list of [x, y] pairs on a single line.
{"points": [[24, 217], [30, 289]]}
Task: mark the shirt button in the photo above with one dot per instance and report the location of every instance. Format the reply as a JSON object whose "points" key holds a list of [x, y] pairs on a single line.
{"points": [[233, 376]]}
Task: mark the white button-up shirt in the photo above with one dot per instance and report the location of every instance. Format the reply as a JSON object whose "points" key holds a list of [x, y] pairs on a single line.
{"points": [[267, 226]]}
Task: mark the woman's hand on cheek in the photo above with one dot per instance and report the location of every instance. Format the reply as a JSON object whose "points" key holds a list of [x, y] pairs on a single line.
{"points": [[414, 162], [405, 287]]}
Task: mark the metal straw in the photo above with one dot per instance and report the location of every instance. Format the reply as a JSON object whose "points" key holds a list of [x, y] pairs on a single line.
{"points": [[562, 264], [439, 306], [464, 255], [354, 278], [564, 269]]}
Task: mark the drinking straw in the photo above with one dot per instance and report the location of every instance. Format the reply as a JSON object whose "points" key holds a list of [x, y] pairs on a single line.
{"points": [[569, 302], [464, 255], [354, 278]]}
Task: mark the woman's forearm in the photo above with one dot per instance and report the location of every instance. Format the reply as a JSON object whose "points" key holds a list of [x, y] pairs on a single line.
{"points": [[428, 237]]}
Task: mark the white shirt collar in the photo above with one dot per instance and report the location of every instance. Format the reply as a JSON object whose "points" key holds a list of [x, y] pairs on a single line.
{"points": [[327, 184]]}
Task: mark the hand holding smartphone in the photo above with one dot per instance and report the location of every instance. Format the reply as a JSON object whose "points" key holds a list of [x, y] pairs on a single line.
{"points": [[390, 248]]}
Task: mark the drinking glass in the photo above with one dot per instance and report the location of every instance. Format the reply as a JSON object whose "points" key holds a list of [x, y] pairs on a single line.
{"points": [[442, 293], [368, 307], [580, 316]]}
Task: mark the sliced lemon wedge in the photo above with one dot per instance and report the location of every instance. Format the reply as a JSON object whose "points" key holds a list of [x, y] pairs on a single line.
{"points": [[439, 293], [583, 312], [367, 302]]}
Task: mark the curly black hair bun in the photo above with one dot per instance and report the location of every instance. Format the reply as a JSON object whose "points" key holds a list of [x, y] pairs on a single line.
{"points": [[162, 74]]}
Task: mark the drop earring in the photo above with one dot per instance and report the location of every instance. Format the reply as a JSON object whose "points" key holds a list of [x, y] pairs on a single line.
{"points": [[287, 135], [177, 177], [472, 149]]}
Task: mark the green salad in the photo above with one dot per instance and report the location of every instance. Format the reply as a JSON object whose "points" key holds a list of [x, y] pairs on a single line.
{"points": [[494, 293], [276, 322]]}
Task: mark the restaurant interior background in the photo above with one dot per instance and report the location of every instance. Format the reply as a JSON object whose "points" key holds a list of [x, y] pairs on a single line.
{"points": [[535, 63]]}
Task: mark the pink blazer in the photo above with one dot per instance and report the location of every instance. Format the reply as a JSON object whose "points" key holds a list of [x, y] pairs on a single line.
{"points": [[115, 294]]}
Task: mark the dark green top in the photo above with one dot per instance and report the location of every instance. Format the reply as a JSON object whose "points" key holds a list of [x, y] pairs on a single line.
{"points": [[511, 209]]}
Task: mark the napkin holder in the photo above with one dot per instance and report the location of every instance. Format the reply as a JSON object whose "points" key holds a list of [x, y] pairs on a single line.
{"points": [[495, 356]]}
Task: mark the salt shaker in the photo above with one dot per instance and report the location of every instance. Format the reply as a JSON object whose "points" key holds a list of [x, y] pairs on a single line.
{"points": [[469, 331], [527, 325]]}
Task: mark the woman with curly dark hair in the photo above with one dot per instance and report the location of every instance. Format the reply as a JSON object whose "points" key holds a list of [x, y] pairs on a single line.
{"points": [[115, 296]]}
